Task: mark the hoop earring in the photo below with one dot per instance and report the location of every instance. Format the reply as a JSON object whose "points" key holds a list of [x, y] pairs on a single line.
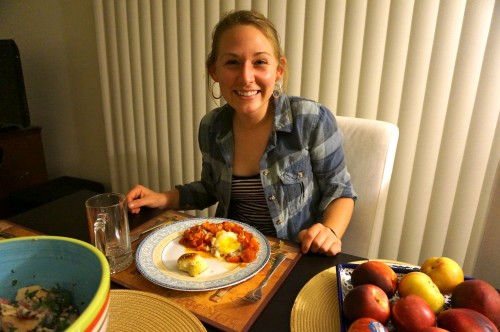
{"points": [[212, 92], [277, 92]]}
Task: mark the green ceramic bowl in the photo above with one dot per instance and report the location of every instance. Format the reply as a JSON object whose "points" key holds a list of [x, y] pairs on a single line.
{"points": [[52, 260]]}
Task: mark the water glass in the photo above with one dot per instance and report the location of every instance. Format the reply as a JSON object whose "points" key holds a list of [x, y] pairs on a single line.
{"points": [[107, 216]]}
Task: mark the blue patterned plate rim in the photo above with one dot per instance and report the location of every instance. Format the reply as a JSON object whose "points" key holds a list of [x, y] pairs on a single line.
{"points": [[156, 259]]}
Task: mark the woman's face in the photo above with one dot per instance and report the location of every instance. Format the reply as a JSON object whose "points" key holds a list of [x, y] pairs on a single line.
{"points": [[246, 69]]}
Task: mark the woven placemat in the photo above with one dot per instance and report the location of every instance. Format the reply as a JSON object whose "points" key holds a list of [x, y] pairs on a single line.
{"points": [[316, 307], [136, 311]]}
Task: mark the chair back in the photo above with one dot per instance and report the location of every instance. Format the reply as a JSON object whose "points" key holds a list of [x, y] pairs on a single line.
{"points": [[370, 149]]}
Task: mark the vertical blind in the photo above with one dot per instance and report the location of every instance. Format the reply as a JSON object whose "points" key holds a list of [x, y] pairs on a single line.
{"points": [[431, 67]]}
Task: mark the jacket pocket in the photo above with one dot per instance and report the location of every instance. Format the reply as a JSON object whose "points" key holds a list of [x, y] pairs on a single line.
{"points": [[294, 179]]}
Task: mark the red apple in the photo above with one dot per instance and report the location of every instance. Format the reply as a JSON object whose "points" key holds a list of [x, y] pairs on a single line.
{"points": [[412, 313], [480, 296], [465, 320], [367, 324], [376, 273], [367, 301]]}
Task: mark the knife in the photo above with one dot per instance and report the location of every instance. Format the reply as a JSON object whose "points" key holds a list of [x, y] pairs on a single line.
{"points": [[163, 223]]}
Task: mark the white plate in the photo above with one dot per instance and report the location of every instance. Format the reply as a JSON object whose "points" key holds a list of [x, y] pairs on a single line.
{"points": [[157, 255]]}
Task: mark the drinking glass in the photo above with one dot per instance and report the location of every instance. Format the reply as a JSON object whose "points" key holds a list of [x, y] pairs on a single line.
{"points": [[107, 216]]}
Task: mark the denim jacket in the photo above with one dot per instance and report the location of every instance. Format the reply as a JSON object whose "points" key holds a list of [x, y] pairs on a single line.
{"points": [[302, 169]]}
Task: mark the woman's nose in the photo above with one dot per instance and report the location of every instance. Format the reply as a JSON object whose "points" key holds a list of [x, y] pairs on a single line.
{"points": [[247, 73]]}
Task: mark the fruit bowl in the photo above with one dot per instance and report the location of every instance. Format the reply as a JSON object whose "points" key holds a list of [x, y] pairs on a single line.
{"points": [[71, 264], [344, 285]]}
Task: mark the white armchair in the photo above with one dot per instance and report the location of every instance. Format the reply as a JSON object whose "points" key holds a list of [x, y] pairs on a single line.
{"points": [[370, 149]]}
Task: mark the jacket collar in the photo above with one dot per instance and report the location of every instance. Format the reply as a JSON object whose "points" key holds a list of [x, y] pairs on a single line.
{"points": [[283, 118]]}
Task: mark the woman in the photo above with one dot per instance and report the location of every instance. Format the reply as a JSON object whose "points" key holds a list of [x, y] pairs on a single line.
{"points": [[273, 161]]}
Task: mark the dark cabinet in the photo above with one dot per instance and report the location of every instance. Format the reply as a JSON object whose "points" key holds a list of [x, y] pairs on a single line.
{"points": [[22, 163]]}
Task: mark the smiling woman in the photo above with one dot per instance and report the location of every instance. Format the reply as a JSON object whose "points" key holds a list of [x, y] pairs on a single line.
{"points": [[290, 145]]}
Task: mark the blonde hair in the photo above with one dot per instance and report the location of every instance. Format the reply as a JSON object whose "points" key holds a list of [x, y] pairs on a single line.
{"points": [[255, 19]]}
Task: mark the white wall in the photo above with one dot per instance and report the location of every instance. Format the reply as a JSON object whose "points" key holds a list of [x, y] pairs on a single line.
{"points": [[57, 43]]}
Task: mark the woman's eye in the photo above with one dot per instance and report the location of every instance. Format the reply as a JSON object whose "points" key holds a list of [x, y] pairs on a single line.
{"points": [[260, 62]]}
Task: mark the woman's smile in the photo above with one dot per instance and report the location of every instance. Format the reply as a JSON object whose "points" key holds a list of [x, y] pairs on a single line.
{"points": [[247, 93]]}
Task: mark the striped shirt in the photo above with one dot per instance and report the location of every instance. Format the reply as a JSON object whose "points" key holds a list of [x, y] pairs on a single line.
{"points": [[248, 204], [302, 170]]}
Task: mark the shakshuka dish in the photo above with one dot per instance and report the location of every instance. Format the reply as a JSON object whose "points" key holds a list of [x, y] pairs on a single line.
{"points": [[226, 239]]}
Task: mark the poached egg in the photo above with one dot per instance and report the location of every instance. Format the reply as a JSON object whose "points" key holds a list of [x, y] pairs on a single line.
{"points": [[225, 243]]}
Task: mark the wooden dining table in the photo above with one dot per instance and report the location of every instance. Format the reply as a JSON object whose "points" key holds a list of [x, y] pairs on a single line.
{"points": [[274, 311]]}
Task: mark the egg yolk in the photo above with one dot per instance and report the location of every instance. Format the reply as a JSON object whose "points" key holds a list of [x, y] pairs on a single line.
{"points": [[226, 242]]}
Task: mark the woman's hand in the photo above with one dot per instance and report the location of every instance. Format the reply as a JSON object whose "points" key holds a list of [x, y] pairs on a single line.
{"points": [[141, 196], [320, 239]]}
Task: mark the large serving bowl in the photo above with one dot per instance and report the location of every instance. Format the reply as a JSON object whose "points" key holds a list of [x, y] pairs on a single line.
{"points": [[49, 261]]}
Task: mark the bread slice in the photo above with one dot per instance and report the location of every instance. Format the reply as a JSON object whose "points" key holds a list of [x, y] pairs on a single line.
{"points": [[192, 263]]}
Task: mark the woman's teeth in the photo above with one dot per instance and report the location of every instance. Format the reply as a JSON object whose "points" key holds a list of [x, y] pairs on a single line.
{"points": [[247, 93]]}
